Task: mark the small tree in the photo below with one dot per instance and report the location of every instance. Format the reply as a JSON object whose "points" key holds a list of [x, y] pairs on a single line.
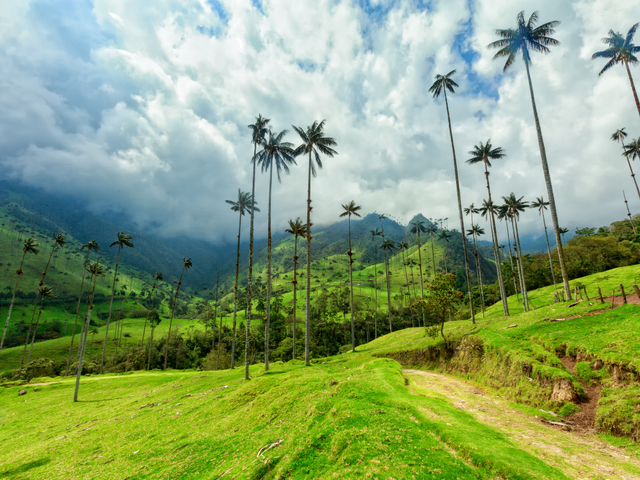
{"points": [[441, 297]]}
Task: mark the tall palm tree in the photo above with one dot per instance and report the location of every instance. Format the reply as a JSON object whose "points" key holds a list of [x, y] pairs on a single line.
{"points": [[258, 133], [58, 242], [388, 247], [626, 202], [124, 240], [154, 321], [402, 246], [274, 152], [441, 84], [29, 246], [417, 227], [297, 229], [432, 230], [621, 50], [156, 278], [186, 265], [475, 232], [44, 291], [633, 149], [619, 136], [445, 237], [541, 205], [514, 206], [375, 233], [562, 232], [95, 270], [502, 214], [314, 142], [89, 246], [351, 209], [242, 205], [525, 38], [485, 153]]}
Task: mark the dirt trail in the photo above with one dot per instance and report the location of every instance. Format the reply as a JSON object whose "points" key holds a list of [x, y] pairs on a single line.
{"points": [[585, 419], [580, 454]]}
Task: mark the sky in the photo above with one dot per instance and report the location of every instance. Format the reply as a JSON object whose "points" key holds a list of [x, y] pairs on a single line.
{"points": [[143, 107]]}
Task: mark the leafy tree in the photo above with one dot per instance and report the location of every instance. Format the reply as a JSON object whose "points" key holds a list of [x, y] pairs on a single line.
{"points": [[124, 240], [314, 142], [441, 299], [541, 205], [351, 209], [29, 246], [258, 133], [526, 37], [186, 265], [274, 152], [417, 227], [441, 84], [619, 136], [621, 50], [484, 153], [89, 246], [297, 229]]}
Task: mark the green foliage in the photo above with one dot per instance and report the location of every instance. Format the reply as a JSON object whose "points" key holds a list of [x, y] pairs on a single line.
{"points": [[585, 373]]}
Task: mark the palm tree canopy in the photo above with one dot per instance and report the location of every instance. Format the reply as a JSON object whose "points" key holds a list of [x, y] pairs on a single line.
{"points": [[632, 149], [485, 153], [91, 245], [621, 49], [388, 245], [375, 233], [297, 228], [158, 277], [403, 245], [444, 235], [315, 142], [540, 204], [276, 153], [243, 204], [124, 240], [432, 230], [563, 230], [187, 263], [475, 230], [443, 82], [31, 246], [515, 205], [96, 268], [526, 37], [46, 291], [58, 240], [417, 226], [350, 209], [470, 209], [619, 135], [487, 207], [259, 130]]}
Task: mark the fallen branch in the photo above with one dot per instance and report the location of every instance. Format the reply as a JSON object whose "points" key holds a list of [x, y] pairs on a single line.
{"points": [[268, 447], [510, 326]]}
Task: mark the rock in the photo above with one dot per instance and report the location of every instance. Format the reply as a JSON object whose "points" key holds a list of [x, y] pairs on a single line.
{"points": [[597, 365], [22, 392], [563, 391]]}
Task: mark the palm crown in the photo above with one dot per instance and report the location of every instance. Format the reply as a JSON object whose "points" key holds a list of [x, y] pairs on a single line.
{"points": [[276, 153], [443, 83], [388, 245], [444, 235], [31, 246], [58, 240], [350, 209], [619, 135], [124, 240], [540, 204], [476, 230], [297, 228], [91, 245], [485, 153], [259, 130], [487, 207], [96, 269], [514, 205], [526, 38], [243, 204], [158, 277], [187, 263], [632, 149], [375, 233], [470, 209], [315, 142], [620, 50], [417, 226]]}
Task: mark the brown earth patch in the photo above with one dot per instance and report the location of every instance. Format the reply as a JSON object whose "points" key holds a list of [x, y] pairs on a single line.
{"points": [[617, 300], [584, 420]]}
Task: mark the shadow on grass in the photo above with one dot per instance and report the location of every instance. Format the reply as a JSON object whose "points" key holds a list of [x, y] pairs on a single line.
{"points": [[25, 467], [100, 400]]}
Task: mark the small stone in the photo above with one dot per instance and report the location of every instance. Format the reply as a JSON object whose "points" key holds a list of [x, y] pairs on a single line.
{"points": [[22, 392]]}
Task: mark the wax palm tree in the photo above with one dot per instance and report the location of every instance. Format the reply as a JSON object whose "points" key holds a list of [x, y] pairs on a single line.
{"points": [[279, 153], [91, 245], [375, 233], [297, 229], [186, 265], [485, 153], [242, 205], [432, 231], [58, 242], [124, 240], [562, 232], [475, 232], [514, 206], [154, 321], [621, 50], [619, 136], [633, 149], [445, 237], [441, 84], [351, 209], [388, 247], [156, 278], [541, 205], [95, 270], [417, 227], [525, 38], [502, 213], [29, 246], [314, 143], [258, 133], [45, 292], [402, 246]]}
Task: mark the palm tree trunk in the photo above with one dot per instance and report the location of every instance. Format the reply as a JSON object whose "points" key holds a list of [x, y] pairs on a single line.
{"points": [[13, 298], [173, 307], [513, 272], [547, 180], [350, 255], [215, 320], [235, 293], [433, 256], [633, 87], [106, 333], [553, 275], [479, 271], [406, 276], [518, 266], [75, 323], [521, 258], [496, 252], [150, 349], [386, 264], [83, 342], [250, 274], [26, 343], [375, 290], [295, 290], [146, 318], [633, 175], [33, 338], [420, 265], [464, 240], [308, 279], [268, 307]]}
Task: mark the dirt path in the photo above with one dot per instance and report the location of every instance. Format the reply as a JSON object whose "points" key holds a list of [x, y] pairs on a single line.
{"points": [[580, 454], [585, 419]]}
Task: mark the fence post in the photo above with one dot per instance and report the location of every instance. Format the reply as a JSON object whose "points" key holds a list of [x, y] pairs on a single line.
{"points": [[600, 295], [624, 297], [635, 287], [584, 287]]}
